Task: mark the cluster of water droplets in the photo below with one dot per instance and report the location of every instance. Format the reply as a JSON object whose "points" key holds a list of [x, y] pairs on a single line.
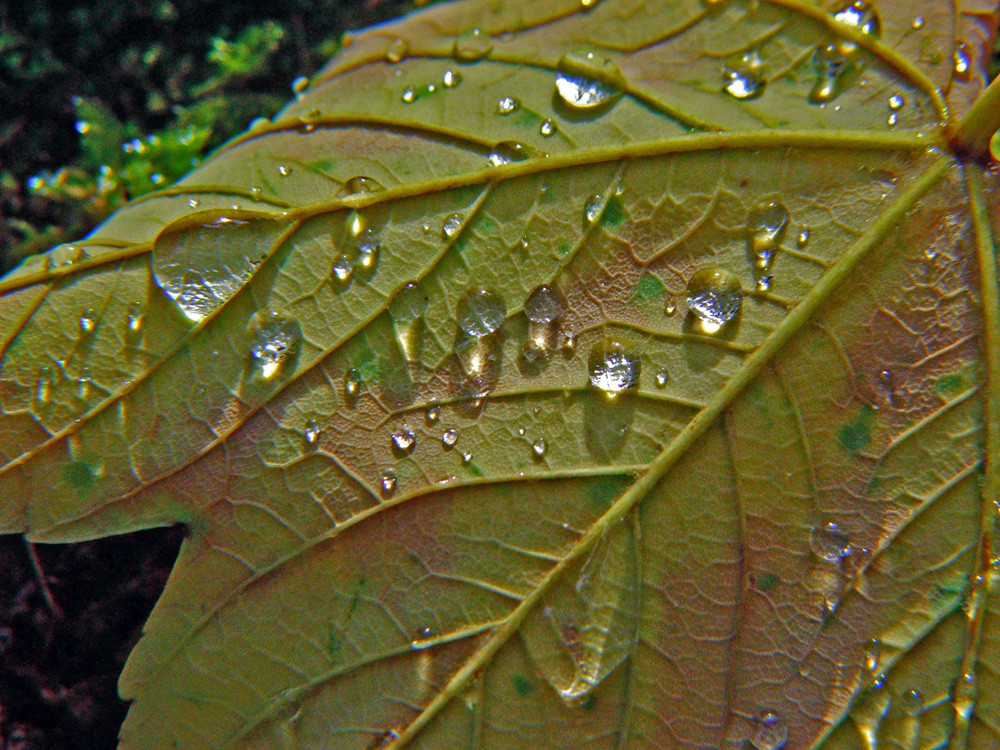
{"points": [[836, 62]]}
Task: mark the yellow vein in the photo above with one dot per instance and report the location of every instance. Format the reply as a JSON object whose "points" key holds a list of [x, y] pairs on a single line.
{"points": [[751, 367]]}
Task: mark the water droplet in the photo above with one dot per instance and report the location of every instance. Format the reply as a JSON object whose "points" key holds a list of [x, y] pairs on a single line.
{"points": [[767, 224], [545, 304], [896, 102], [84, 384], [612, 370], [885, 386], [803, 239], [193, 202], [388, 482], [588, 4], [300, 84], [396, 50], [409, 95], [472, 45], [764, 282], [283, 170], [312, 433], [433, 414], [913, 702], [962, 61], [451, 79], [63, 256], [830, 542], [134, 318], [592, 208], [714, 296], [587, 81], [743, 76], [403, 441], [547, 128], [352, 385], [449, 437], [360, 184], [275, 339], [892, 119], [466, 459], [452, 224], [918, 23], [507, 105], [369, 249], [88, 321], [43, 390], [771, 732], [860, 15], [408, 304], [662, 378], [539, 448], [670, 305], [507, 151], [480, 312]]}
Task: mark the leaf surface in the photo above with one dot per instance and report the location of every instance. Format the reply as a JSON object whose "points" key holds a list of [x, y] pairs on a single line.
{"points": [[553, 375]]}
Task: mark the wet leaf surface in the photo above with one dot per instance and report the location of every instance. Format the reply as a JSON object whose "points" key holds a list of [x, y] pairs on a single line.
{"points": [[552, 375]]}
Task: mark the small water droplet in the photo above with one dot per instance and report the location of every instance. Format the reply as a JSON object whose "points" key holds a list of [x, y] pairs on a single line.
{"points": [[803, 239], [388, 482], [764, 282], [84, 384], [408, 304], [767, 224], [409, 95], [962, 61], [892, 119], [896, 102], [396, 50], [918, 23], [539, 448], [506, 152], [670, 305], [743, 76], [612, 369], [480, 312], [300, 84], [88, 321], [714, 296], [592, 208], [451, 225], [830, 542], [403, 441], [193, 202], [134, 318], [284, 170], [433, 414], [360, 184], [545, 304], [352, 385], [449, 437], [466, 459], [662, 378], [312, 433], [771, 732], [43, 390], [587, 81], [507, 104], [472, 45], [547, 128], [275, 339], [451, 79], [369, 250]]}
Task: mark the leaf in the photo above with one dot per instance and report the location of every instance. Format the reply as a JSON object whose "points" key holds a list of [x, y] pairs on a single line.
{"points": [[553, 374]]}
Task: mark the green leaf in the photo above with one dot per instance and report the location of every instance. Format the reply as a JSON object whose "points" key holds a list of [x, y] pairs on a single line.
{"points": [[612, 374]]}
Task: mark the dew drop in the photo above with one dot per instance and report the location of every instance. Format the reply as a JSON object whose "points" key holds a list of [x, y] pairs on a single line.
{"points": [[962, 61], [592, 208], [472, 45], [369, 250], [408, 304], [403, 441], [587, 81], [539, 448], [743, 76], [409, 95], [918, 23], [193, 202], [135, 317], [43, 389], [275, 339], [451, 79], [480, 312], [360, 184], [507, 104], [352, 385], [896, 102], [84, 383], [803, 239], [545, 304], [449, 437], [764, 282], [662, 378], [830, 542], [312, 433], [64, 256], [433, 414], [300, 84], [771, 732], [612, 370], [88, 321], [255, 192], [714, 296], [670, 306], [861, 15], [892, 119], [284, 170], [396, 50], [388, 482], [547, 128], [506, 152], [767, 224], [466, 459], [451, 225]]}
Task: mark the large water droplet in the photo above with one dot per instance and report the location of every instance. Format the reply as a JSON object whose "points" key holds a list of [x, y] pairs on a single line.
{"points": [[449, 437], [480, 312], [507, 104], [451, 79], [587, 80], [300, 84], [403, 441], [896, 102], [861, 16], [396, 50], [451, 225], [612, 369], [408, 304], [360, 184], [545, 304], [592, 208], [767, 224], [506, 152], [714, 296], [771, 732], [63, 256], [547, 128], [830, 542], [472, 45], [830, 65], [743, 76], [275, 339], [662, 378]]}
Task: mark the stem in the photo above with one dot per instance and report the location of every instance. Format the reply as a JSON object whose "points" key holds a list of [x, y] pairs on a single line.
{"points": [[972, 136], [50, 602]]}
